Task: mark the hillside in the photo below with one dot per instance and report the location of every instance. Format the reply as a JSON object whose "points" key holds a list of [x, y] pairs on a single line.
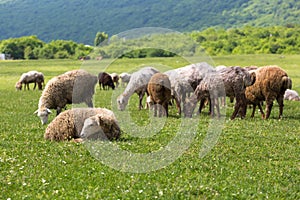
{"points": [[80, 20]]}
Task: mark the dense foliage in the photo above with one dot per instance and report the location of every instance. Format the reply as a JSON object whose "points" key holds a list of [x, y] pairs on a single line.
{"points": [[80, 21], [212, 41]]}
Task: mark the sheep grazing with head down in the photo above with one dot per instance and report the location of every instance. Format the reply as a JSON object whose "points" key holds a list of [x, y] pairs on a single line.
{"points": [[236, 80], [125, 78], [138, 84], [105, 80], [75, 86], [291, 95], [159, 89], [210, 88], [31, 77], [70, 124], [271, 83], [115, 77]]}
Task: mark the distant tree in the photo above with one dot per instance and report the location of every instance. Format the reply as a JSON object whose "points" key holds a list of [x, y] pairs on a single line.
{"points": [[100, 37]]}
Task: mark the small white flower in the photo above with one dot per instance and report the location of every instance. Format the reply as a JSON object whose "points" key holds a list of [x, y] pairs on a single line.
{"points": [[160, 193], [140, 191], [43, 180]]}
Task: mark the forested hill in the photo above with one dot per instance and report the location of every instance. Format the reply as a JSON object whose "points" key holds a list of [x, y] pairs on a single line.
{"points": [[80, 20]]}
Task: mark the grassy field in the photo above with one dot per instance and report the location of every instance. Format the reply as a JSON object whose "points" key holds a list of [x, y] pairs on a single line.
{"points": [[252, 158]]}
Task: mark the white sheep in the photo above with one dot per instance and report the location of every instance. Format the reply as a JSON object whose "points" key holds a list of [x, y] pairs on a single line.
{"points": [[125, 78], [70, 124], [75, 86], [271, 83], [137, 84], [31, 77], [291, 95]]}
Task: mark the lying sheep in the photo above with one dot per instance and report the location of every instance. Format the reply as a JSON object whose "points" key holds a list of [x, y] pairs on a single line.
{"points": [[75, 86], [125, 78], [210, 88], [31, 77], [137, 84], [115, 77], [271, 83], [105, 80], [70, 124], [291, 95], [236, 80], [159, 88]]}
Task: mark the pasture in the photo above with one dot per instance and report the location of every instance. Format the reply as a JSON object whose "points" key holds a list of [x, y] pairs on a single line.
{"points": [[251, 158]]}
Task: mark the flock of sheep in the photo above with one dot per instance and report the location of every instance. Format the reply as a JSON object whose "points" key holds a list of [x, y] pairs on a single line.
{"points": [[187, 86]]}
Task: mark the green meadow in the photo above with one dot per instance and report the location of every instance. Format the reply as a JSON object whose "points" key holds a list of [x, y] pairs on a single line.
{"points": [[213, 159]]}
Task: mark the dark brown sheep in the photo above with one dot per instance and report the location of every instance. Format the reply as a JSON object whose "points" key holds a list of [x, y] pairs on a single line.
{"points": [[271, 83], [105, 80], [159, 89]]}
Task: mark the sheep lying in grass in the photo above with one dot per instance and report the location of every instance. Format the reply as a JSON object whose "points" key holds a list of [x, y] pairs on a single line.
{"points": [[125, 78], [236, 80], [291, 95], [210, 88], [137, 84], [271, 83], [71, 124], [76, 86], [31, 77], [159, 88]]}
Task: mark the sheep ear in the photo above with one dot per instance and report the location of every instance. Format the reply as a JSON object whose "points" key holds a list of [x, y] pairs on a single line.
{"points": [[98, 119], [36, 112], [48, 110]]}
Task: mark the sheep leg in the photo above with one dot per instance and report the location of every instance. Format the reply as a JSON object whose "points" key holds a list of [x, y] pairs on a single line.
{"points": [[281, 105], [201, 106], [141, 95], [58, 110], [27, 85], [34, 86], [261, 110], [253, 111], [268, 109], [177, 101], [217, 107], [165, 109]]}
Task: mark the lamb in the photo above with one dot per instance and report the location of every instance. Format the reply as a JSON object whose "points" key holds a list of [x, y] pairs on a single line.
{"points": [[271, 83], [71, 124], [159, 88], [236, 80], [125, 78], [75, 86], [115, 77], [105, 80], [291, 95], [210, 88], [31, 77], [137, 84]]}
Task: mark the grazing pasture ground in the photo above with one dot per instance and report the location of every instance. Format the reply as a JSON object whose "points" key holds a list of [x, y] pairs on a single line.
{"points": [[252, 159]]}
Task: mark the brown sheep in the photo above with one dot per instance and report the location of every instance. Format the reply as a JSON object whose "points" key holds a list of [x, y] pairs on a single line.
{"points": [[105, 80], [159, 89], [271, 83]]}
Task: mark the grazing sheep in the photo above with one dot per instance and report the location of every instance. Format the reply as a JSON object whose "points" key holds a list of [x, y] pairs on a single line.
{"points": [[236, 80], [137, 84], [125, 78], [210, 88], [159, 89], [105, 80], [70, 123], [271, 83], [75, 86], [31, 77], [184, 80], [291, 95], [115, 77]]}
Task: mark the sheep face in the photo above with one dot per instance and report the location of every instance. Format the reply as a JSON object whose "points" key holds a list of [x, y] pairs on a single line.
{"points": [[19, 85], [43, 115], [122, 102], [92, 129]]}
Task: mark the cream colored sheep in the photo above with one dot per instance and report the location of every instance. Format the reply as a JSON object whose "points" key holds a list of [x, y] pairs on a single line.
{"points": [[75, 86], [69, 124]]}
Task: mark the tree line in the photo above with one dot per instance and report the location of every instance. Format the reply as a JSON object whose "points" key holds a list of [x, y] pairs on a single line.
{"points": [[212, 41]]}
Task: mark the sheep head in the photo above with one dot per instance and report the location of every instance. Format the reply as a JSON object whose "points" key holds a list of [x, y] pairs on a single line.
{"points": [[43, 114], [19, 85], [122, 101]]}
